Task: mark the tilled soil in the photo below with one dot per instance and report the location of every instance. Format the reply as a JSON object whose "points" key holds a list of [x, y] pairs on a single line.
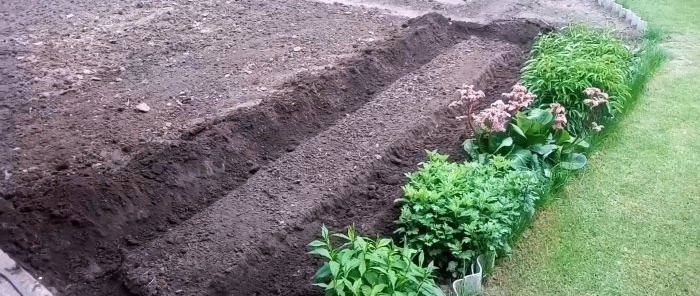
{"points": [[253, 241], [238, 91], [77, 70]]}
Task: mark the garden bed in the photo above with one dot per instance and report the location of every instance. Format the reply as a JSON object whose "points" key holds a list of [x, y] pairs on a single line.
{"points": [[253, 187]]}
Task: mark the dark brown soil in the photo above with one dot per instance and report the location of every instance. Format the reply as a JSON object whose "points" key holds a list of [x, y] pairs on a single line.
{"points": [[74, 226], [252, 242], [286, 269]]}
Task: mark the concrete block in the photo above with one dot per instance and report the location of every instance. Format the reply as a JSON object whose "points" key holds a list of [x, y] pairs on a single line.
{"points": [[15, 279], [642, 26], [623, 12], [616, 8], [607, 3]]}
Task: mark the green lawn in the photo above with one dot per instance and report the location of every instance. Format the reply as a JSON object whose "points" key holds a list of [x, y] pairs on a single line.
{"points": [[630, 224]]}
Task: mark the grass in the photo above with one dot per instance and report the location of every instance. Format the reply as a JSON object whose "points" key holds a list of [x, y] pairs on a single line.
{"points": [[630, 224]]}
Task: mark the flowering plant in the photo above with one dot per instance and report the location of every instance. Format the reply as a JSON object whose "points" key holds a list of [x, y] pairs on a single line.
{"points": [[533, 139], [597, 101]]}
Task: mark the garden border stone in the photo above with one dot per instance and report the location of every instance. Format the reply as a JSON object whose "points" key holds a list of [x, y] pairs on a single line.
{"points": [[626, 15], [14, 280]]}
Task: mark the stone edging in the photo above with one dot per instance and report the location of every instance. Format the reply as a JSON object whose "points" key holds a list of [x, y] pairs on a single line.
{"points": [[15, 281], [625, 14]]}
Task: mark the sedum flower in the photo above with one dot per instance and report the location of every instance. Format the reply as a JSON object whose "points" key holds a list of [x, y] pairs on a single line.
{"points": [[560, 113], [519, 98], [467, 95], [595, 98], [495, 118], [597, 127], [591, 91]]}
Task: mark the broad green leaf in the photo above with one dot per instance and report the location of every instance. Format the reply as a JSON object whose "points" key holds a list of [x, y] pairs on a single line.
{"points": [[363, 265], [392, 278], [366, 290], [520, 159], [543, 150], [322, 285], [518, 131], [562, 137], [321, 252], [471, 148], [316, 244], [371, 277], [573, 161], [339, 288], [322, 273], [507, 142], [342, 236], [335, 268], [377, 289], [582, 143], [324, 231], [356, 286], [431, 290], [348, 285]]}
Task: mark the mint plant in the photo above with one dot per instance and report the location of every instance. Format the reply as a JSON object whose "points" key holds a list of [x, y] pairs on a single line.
{"points": [[365, 267], [456, 211]]}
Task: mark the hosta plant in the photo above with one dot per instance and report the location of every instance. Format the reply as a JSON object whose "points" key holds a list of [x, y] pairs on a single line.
{"points": [[456, 211], [364, 267]]}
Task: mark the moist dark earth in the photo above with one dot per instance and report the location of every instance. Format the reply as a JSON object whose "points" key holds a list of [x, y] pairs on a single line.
{"points": [[95, 192]]}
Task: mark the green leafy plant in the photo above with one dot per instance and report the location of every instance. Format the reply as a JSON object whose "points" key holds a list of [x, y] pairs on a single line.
{"points": [[365, 267], [531, 141], [456, 211], [564, 64]]}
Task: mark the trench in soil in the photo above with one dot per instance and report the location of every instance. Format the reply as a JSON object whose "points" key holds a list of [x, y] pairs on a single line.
{"points": [[76, 231], [285, 268]]}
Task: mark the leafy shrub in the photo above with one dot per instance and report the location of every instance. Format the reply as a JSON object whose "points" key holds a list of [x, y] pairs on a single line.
{"points": [[456, 211], [365, 267], [564, 64]]}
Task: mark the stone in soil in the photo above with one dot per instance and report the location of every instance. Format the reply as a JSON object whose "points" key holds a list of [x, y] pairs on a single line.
{"points": [[143, 107]]}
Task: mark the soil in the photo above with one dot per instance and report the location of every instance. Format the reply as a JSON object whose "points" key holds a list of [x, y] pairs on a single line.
{"points": [[554, 12], [236, 91], [274, 214]]}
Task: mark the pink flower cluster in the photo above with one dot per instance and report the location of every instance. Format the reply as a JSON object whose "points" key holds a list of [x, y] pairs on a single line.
{"points": [[595, 97], [494, 118], [560, 113], [519, 98], [467, 95]]}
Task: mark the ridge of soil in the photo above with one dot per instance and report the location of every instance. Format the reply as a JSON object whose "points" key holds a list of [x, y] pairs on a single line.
{"points": [[74, 229], [368, 202], [227, 246]]}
